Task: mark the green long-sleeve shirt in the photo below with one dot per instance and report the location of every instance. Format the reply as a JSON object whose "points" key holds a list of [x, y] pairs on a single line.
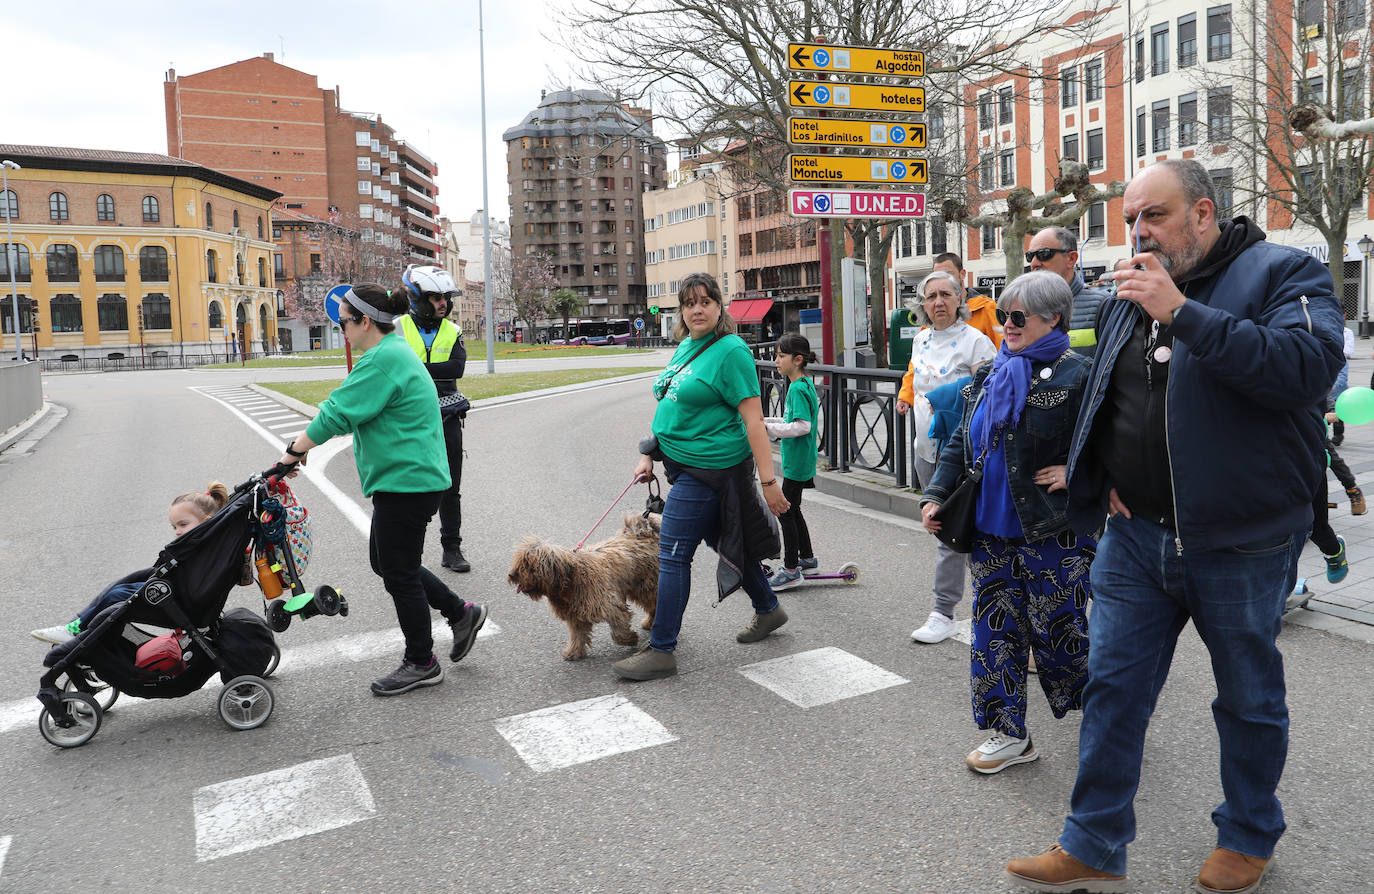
{"points": [[389, 404]]}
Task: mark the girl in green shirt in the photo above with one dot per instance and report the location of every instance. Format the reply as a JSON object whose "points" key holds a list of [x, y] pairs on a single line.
{"points": [[797, 429]]}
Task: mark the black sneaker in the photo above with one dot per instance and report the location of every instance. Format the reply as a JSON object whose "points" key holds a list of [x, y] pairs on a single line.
{"points": [[454, 561], [409, 676], [465, 630]]}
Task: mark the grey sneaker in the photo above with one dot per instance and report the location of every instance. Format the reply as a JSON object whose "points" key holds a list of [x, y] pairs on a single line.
{"points": [[761, 626], [647, 664], [785, 579], [465, 630], [810, 564], [409, 676]]}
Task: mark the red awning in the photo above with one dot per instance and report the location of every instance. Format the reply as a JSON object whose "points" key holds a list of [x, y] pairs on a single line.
{"points": [[750, 310]]}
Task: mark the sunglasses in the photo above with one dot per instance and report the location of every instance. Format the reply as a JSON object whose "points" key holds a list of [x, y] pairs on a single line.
{"points": [[1017, 317], [1043, 254]]}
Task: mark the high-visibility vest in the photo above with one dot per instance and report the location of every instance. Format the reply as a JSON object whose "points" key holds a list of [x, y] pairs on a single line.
{"points": [[1082, 338], [444, 341]]}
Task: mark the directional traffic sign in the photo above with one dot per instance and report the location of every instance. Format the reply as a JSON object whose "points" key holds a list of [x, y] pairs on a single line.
{"points": [[856, 60], [332, 299], [856, 169], [871, 97], [833, 132], [856, 203]]}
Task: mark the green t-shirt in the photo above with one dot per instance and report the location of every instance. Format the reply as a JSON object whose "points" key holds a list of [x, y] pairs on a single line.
{"points": [[799, 454], [389, 403], [697, 421]]}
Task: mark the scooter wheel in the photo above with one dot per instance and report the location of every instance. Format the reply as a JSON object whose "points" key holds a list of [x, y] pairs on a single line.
{"points": [[278, 618], [850, 572], [327, 600], [343, 606]]}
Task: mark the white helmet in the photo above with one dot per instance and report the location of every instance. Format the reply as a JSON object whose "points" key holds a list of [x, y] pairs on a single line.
{"points": [[421, 283]]}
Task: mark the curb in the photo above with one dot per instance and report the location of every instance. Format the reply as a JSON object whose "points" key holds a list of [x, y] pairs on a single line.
{"points": [[12, 435]]}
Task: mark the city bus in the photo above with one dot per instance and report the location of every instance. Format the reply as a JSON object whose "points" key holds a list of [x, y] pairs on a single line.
{"points": [[590, 332]]}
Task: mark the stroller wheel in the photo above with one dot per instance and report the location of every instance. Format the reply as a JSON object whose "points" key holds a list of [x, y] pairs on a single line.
{"points": [[276, 660], [277, 616], [104, 694], [327, 599], [79, 720], [245, 702]]}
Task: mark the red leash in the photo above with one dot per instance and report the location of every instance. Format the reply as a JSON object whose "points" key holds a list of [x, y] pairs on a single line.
{"points": [[632, 483]]}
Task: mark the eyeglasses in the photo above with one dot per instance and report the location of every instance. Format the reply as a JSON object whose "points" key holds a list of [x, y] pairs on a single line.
{"points": [[354, 320], [1017, 317], [1044, 254]]}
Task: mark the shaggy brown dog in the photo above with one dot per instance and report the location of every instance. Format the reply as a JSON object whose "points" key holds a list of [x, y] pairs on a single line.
{"points": [[595, 583]]}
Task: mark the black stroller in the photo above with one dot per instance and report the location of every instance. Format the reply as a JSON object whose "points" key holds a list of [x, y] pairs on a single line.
{"points": [[185, 590]]}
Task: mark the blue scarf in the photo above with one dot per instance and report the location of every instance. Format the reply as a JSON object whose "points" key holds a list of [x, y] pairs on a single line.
{"points": [[1009, 383]]}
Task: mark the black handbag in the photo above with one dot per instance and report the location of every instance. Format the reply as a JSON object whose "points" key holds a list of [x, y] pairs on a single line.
{"points": [[958, 514], [455, 404]]}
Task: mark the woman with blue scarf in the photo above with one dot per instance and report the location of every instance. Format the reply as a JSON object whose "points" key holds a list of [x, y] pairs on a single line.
{"points": [[1029, 569]]}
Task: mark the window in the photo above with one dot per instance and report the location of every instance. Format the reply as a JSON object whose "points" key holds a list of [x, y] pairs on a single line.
{"points": [[112, 311], [1187, 40], [211, 266], [1068, 88], [984, 111], [1004, 105], [65, 311], [1349, 105], [1006, 163], [314, 263], [1349, 185], [935, 126], [215, 318], [918, 238], [259, 226], [985, 172], [150, 210], [1139, 59], [937, 236], [1219, 33], [238, 269], [362, 138], [62, 263], [1221, 183], [1097, 220], [57, 206], [209, 217], [23, 272], [262, 271], [1139, 131], [1097, 155], [989, 238], [236, 218], [1159, 122], [364, 163], [152, 263], [1311, 89], [1092, 80], [1187, 120], [157, 311], [104, 207], [1349, 14], [278, 266], [1310, 18], [1308, 197], [1159, 48], [27, 312], [1070, 152], [365, 187], [1219, 114], [109, 263], [9, 205]]}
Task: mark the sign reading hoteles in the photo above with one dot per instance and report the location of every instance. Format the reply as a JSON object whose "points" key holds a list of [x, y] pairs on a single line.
{"points": [[856, 203], [855, 97], [856, 60], [833, 132]]}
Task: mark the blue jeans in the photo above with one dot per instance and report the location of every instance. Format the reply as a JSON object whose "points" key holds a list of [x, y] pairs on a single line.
{"points": [[1143, 594], [691, 515]]}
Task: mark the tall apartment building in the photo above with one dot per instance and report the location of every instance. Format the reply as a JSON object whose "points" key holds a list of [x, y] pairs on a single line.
{"points": [[684, 232], [577, 166], [272, 125]]}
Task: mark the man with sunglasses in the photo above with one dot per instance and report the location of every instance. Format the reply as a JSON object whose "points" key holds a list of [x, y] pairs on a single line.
{"points": [[1056, 249], [1199, 434]]}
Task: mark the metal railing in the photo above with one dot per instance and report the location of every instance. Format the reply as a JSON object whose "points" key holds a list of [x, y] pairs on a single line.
{"points": [[151, 361]]}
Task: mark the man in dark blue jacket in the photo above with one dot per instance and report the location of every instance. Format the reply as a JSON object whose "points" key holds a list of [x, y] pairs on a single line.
{"points": [[1199, 436]]}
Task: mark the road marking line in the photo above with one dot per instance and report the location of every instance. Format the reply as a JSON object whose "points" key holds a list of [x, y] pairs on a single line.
{"points": [[4, 849], [820, 676], [963, 631], [279, 416], [282, 426], [577, 732], [254, 811]]}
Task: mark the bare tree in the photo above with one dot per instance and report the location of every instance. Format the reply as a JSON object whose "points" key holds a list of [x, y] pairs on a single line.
{"points": [[1313, 123], [532, 278], [1291, 71]]}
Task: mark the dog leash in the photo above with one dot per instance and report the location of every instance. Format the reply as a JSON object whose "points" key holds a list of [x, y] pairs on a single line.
{"points": [[632, 483]]}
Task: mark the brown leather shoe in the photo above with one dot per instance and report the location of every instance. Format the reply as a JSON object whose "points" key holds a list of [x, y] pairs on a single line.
{"points": [[1057, 870], [1229, 872]]}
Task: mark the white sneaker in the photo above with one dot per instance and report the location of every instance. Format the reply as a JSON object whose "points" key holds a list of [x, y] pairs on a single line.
{"points": [[57, 635], [999, 752], [936, 629]]}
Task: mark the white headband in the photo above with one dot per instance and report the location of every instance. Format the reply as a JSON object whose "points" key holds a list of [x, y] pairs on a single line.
{"points": [[380, 316]]}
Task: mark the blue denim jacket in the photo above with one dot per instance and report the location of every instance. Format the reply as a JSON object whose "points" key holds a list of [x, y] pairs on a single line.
{"points": [[1040, 439]]}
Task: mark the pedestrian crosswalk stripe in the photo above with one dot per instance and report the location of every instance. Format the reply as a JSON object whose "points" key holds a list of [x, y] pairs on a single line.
{"points": [[820, 676], [577, 732], [4, 849], [268, 808], [279, 416], [963, 632]]}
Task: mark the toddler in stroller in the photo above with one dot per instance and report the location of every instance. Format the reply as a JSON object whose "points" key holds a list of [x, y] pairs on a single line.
{"points": [[185, 590]]}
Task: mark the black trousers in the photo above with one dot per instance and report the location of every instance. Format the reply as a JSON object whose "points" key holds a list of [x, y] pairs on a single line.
{"points": [[796, 539], [451, 506], [395, 547]]}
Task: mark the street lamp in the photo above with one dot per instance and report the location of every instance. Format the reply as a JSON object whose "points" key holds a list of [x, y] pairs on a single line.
{"points": [[11, 253], [1366, 246]]}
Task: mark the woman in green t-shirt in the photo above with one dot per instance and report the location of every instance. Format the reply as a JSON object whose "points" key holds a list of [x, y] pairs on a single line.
{"points": [[797, 429], [711, 438], [389, 403]]}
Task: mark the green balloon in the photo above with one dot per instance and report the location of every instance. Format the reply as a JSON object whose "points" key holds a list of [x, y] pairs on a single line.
{"points": [[1355, 406]]}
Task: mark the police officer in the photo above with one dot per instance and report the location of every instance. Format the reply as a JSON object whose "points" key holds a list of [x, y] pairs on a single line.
{"points": [[438, 342]]}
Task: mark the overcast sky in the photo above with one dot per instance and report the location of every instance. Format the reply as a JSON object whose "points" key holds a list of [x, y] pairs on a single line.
{"points": [[90, 74]]}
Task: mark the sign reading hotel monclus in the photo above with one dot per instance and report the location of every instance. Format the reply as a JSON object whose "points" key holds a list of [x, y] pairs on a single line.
{"points": [[856, 169]]}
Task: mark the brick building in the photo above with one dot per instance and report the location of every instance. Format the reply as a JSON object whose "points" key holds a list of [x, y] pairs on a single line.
{"points": [[576, 167]]}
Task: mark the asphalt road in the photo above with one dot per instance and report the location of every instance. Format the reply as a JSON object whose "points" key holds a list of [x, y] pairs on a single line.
{"points": [[741, 790]]}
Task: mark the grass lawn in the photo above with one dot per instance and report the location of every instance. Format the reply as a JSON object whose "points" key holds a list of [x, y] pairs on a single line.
{"points": [[479, 388], [477, 351]]}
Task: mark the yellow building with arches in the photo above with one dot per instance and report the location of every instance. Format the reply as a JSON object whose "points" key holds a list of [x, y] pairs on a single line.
{"points": [[134, 254]]}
